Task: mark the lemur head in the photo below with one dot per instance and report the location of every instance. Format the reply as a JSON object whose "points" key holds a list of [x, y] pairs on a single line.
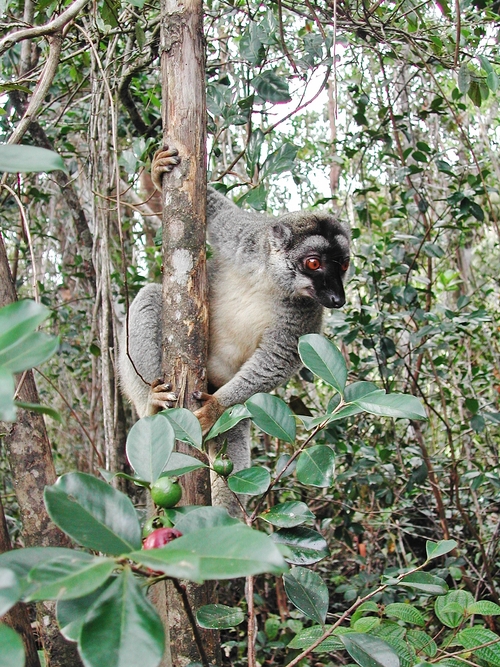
{"points": [[310, 253]]}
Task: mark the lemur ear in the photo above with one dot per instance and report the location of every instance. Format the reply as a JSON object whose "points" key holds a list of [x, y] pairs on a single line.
{"points": [[281, 235]]}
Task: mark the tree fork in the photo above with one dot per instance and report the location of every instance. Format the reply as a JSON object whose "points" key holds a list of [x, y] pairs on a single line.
{"points": [[185, 293]]}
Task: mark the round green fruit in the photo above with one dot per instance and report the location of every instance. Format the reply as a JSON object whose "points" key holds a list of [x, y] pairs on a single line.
{"points": [[166, 492], [223, 466]]}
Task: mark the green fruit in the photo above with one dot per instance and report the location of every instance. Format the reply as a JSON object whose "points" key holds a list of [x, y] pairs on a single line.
{"points": [[166, 492], [222, 466]]}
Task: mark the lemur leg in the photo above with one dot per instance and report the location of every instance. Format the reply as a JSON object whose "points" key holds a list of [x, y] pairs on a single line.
{"points": [[161, 397], [164, 160], [210, 412]]}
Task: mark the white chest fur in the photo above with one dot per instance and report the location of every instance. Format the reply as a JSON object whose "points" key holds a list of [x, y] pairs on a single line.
{"points": [[242, 307]]}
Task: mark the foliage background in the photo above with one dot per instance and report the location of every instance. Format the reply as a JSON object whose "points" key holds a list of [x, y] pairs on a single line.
{"points": [[385, 113]]}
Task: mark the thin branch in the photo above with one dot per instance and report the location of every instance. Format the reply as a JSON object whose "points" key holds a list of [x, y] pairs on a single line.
{"points": [[192, 621], [41, 90], [48, 29]]}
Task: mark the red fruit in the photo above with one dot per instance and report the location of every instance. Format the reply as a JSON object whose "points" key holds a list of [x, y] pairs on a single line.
{"points": [[159, 537]]}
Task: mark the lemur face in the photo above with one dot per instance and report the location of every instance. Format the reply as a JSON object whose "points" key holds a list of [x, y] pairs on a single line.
{"points": [[316, 249]]}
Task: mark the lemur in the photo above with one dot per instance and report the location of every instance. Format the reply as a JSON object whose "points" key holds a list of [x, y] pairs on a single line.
{"points": [[270, 279]]}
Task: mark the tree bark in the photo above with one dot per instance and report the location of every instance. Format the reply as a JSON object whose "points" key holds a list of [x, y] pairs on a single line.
{"points": [[32, 468], [185, 294]]}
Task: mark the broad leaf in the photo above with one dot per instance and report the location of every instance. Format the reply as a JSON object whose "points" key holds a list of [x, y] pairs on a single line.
{"points": [[250, 481], [422, 642], [280, 160], [205, 517], [452, 608], [477, 636], [308, 592], [370, 651], [324, 359], [273, 416], [122, 628], [271, 87], [305, 546], [21, 159], [227, 552], [219, 616], [19, 319], [11, 647], [288, 514], [71, 613], [436, 549], [180, 464], [484, 608], [186, 426], [69, 576], [178, 564], [360, 390], [7, 388], [93, 514], [150, 442], [22, 561], [403, 406], [10, 590], [227, 420], [405, 612], [316, 466], [29, 352], [425, 582], [308, 636]]}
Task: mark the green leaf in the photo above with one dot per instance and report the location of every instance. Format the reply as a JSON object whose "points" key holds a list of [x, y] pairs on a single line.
{"points": [[463, 79], [180, 464], [122, 628], [422, 642], [93, 514], [40, 409], [452, 608], [425, 582], [364, 608], [251, 47], [403, 406], [219, 616], [29, 352], [69, 576], [476, 636], [308, 636], [492, 81], [360, 390], [271, 87], [308, 592], [306, 546], [10, 590], [484, 608], [227, 552], [205, 517], [324, 359], [178, 564], [7, 389], [437, 549], [227, 420], [405, 612], [288, 514], [21, 159], [186, 426], [21, 561], [11, 647], [19, 319], [369, 651], [150, 442], [250, 481], [280, 160], [273, 416], [316, 466], [71, 613], [365, 624]]}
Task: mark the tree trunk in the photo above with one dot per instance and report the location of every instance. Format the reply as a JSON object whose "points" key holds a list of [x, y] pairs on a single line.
{"points": [[185, 312], [32, 468]]}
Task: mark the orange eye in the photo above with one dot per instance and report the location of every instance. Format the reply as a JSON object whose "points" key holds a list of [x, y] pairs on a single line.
{"points": [[313, 264], [345, 265]]}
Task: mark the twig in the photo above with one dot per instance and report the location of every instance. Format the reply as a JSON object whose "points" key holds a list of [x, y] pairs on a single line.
{"points": [[189, 613], [48, 29]]}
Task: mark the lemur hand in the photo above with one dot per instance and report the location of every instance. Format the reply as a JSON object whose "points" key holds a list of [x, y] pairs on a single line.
{"points": [[210, 412], [164, 160]]}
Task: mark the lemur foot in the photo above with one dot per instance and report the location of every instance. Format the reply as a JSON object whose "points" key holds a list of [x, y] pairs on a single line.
{"points": [[161, 396], [210, 412], [164, 160]]}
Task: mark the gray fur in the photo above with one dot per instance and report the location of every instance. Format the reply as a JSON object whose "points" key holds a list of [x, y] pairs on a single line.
{"points": [[260, 303]]}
